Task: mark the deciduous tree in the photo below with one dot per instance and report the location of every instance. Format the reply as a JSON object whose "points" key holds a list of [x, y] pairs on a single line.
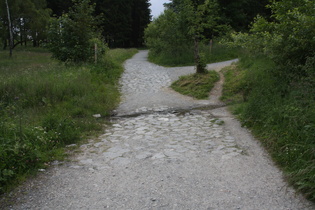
{"points": [[183, 26], [72, 36]]}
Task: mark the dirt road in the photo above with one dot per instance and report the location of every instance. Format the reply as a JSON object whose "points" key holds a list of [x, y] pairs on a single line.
{"points": [[164, 151]]}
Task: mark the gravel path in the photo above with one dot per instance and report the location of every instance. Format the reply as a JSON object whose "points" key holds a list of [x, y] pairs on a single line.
{"points": [[157, 155]]}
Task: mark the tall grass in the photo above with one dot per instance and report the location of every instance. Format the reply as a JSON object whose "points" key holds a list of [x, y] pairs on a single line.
{"points": [[184, 55], [45, 105], [281, 113]]}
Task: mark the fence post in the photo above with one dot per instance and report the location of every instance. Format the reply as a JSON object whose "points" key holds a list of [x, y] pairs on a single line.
{"points": [[211, 43], [95, 53]]}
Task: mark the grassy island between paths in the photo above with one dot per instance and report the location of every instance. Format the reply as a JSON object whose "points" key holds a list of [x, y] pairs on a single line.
{"points": [[196, 85]]}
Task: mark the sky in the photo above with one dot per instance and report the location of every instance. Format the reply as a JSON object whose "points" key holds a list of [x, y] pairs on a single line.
{"points": [[157, 7]]}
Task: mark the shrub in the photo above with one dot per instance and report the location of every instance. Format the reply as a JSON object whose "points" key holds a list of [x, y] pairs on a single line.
{"points": [[282, 117], [73, 35]]}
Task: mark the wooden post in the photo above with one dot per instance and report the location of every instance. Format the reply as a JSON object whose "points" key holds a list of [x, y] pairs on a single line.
{"points": [[95, 52], [10, 27], [211, 43]]}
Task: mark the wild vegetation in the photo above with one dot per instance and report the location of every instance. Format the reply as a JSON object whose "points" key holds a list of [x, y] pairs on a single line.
{"points": [[189, 31], [275, 84], [120, 23], [46, 105], [181, 29], [185, 56]]}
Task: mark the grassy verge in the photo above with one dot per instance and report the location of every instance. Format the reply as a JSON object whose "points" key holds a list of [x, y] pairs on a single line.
{"points": [[196, 85], [45, 105], [280, 113], [185, 56]]}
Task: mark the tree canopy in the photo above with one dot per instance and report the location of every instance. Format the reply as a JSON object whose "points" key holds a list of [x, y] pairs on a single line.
{"points": [[122, 21], [183, 26], [29, 20]]}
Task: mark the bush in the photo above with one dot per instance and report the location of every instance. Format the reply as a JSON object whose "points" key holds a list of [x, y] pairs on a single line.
{"points": [[280, 106], [72, 36], [282, 117]]}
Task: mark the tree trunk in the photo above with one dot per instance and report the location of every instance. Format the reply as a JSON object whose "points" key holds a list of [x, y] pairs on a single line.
{"points": [[10, 27], [21, 34], [5, 44], [200, 68], [25, 35]]}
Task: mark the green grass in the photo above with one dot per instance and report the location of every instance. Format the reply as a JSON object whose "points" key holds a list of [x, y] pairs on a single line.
{"points": [[184, 56], [280, 113], [45, 105], [196, 85]]}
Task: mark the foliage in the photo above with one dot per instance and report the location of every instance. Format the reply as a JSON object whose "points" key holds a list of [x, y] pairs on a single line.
{"points": [[216, 53], [241, 13], [179, 31], [59, 7], [284, 123], [234, 87], [45, 105], [168, 35], [278, 76], [124, 21], [72, 36], [196, 85], [29, 19], [288, 40]]}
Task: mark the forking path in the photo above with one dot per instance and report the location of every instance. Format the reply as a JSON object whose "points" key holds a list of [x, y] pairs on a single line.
{"points": [[163, 152]]}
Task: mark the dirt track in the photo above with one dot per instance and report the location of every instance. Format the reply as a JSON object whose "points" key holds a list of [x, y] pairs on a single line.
{"points": [[164, 151]]}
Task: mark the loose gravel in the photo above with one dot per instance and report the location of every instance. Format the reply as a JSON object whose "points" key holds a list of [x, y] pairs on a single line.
{"points": [[163, 151]]}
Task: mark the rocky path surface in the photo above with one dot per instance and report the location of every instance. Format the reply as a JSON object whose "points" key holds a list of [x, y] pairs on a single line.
{"points": [[164, 151]]}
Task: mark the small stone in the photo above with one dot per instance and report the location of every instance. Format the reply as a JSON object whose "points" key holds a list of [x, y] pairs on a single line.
{"points": [[164, 119], [55, 163], [71, 145], [75, 167], [41, 170], [97, 115]]}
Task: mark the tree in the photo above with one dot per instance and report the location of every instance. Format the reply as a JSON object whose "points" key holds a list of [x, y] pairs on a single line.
{"points": [[183, 26], [201, 15], [10, 27], [287, 38], [34, 17], [59, 7], [29, 19], [124, 21], [239, 14], [72, 36]]}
